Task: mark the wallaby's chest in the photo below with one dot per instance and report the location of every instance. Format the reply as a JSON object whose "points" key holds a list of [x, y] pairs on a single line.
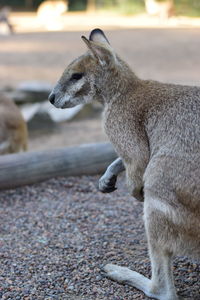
{"points": [[119, 127]]}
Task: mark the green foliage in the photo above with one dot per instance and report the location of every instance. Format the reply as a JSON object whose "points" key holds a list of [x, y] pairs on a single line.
{"points": [[12, 3], [20, 4], [77, 5], [127, 7], [190, 8]]}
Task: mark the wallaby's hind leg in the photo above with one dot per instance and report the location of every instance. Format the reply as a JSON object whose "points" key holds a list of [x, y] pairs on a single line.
{"points": [[162, 281], [161, 285]]}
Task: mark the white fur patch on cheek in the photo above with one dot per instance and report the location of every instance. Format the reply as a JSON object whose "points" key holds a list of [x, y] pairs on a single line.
{"points": [[77, 86], [69, 98]]}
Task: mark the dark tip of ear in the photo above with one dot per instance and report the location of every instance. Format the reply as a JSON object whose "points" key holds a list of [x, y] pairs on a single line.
{"points": [[97, 31]]}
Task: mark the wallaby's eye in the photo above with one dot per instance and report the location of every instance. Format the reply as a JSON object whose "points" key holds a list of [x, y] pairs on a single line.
{"points": [[76, 76]]}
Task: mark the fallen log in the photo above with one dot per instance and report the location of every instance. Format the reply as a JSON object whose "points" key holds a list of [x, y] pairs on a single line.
{"points": [[33, 167]]}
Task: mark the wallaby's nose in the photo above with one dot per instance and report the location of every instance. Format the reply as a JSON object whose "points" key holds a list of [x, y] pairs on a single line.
{"points": [[52, 98]]}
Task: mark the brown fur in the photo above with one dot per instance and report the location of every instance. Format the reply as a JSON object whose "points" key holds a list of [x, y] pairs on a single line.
{"points": [[13, 129], [155, 129]]}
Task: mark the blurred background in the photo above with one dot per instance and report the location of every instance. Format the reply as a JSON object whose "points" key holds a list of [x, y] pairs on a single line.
{"points": [[160, 39]]}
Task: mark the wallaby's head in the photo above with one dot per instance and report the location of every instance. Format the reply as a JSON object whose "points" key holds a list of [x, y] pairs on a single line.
{"points": [[83, 80]]}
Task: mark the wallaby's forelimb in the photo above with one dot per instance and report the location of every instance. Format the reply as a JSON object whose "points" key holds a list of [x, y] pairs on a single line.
{"points": [[108, 180]]}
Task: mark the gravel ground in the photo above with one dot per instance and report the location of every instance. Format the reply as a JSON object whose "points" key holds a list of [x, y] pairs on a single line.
{"points": [[55, 237]]}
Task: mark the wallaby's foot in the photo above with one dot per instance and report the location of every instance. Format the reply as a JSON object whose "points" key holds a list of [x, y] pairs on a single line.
{"points": [[107, 184], [124, 275], [121, 274]]}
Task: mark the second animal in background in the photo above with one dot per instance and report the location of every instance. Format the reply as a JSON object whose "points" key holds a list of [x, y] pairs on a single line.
{"points": [[13, 128]]}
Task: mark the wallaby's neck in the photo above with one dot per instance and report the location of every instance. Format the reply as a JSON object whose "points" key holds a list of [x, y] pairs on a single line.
{"points": [[115, 84]]}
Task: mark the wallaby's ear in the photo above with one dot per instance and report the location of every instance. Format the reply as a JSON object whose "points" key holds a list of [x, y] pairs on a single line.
{"points": [[98, 36], [99, 46]]}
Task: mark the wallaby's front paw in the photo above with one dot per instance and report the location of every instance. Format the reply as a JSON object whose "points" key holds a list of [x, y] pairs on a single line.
{"points": [[107, 184]]}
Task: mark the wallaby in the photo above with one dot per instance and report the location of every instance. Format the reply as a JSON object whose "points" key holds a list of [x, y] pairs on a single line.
{"points": [[49, 13], [4, 18], [53, 7], [155, 129], [164, 9], [13, 129]]}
